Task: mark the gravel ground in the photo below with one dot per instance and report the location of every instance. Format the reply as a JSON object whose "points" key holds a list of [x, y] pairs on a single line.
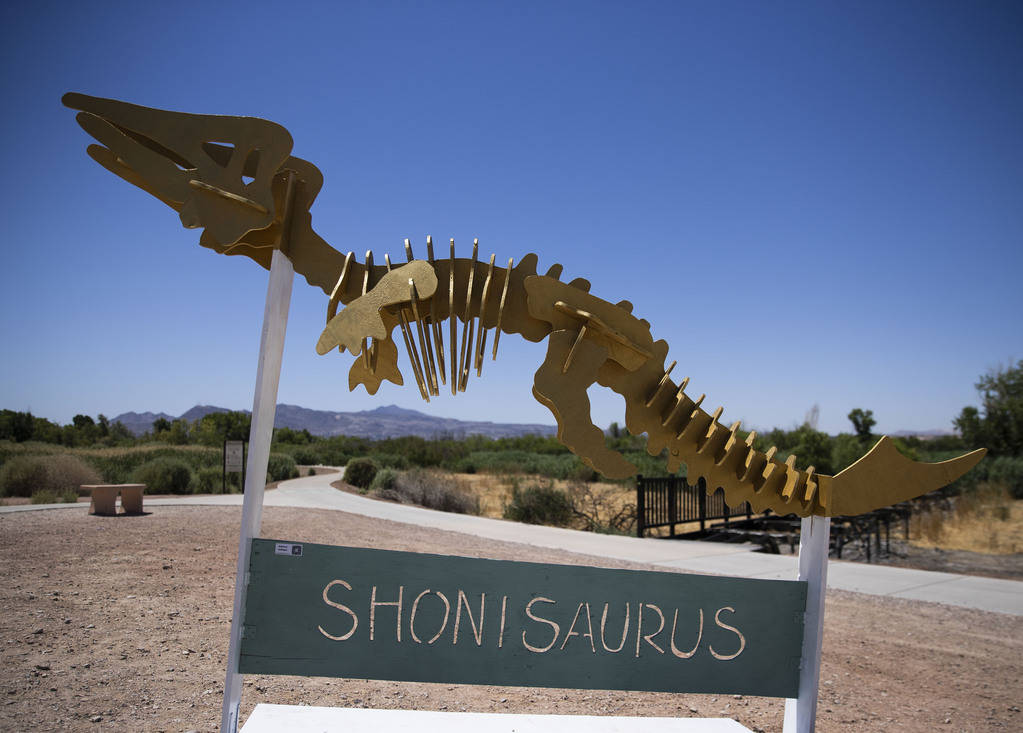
{"points": [[122, 623]]}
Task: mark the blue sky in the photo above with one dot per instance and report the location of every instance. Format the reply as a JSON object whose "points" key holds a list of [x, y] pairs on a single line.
{"points": [[810, 202]]}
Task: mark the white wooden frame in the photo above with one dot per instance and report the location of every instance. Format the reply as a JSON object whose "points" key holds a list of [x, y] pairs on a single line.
{"points": [[264, 409], [800, 713]]}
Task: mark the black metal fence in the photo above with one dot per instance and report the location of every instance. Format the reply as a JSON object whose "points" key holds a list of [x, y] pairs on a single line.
{"points": [[669, 501]]}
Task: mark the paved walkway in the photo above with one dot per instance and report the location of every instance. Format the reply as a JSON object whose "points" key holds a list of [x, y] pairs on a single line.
{"points": [[315, 492]]}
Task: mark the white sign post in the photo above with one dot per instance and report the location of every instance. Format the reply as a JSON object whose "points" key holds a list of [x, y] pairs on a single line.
{"points": [[264, 408], [801, 712]]}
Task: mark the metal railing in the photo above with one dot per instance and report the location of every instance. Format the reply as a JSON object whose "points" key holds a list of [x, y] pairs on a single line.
{"points": [[669, 501]]}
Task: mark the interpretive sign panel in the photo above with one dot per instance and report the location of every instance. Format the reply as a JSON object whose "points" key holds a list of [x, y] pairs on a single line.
{"points": [[234, 456], [318, 610]]}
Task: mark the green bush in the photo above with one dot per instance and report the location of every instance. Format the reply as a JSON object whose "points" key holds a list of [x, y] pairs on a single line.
{"points": [[165, 476], [1008, 470], [59, 474], [306, 456], [360, 472], [391, 460], [281, 467], [210, 480], [385, 480], [67, 472], [561, 466], [23, 475], [539, 503], [333, 458], [118, 465]]}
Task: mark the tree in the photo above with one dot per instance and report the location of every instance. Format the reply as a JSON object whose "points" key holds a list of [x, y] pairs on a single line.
{"points": [[81, 421], [16, 426], [863, 422], [998, 425], [85, 430], [216, 427], [45, 431], [161, 425], [178, 433], [846, 449], [120, 434], [813, 448]]}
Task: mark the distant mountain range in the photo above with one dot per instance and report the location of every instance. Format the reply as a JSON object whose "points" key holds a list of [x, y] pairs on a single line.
{"points": [[390, 421], [922, 434]]}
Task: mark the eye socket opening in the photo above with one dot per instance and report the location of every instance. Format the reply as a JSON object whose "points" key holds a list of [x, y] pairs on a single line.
{"points": [[251, 166], [219, 152]]}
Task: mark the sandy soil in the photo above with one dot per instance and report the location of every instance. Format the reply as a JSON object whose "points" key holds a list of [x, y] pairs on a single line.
{"points": [[122, 623]]}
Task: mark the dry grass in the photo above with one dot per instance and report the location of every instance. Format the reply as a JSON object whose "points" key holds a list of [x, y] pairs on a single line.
{"points": [[603, 499], [986, 520], [494, 491]]}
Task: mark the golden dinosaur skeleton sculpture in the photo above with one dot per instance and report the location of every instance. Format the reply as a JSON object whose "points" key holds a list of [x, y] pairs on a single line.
{"points": [[234, 178]]}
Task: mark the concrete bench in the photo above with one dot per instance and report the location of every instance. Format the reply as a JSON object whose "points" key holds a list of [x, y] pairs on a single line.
{"points": [[104, 498]]}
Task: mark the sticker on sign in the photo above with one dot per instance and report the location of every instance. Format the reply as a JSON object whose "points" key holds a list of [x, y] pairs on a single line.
{"points": [[287, 548]]}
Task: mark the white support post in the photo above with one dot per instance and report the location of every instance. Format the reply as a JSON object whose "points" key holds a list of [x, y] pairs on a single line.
{"points": [[801, 712], [264, 408]]}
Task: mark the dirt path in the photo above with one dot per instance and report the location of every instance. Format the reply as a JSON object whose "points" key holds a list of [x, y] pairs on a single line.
{"points": [[115, 623]]}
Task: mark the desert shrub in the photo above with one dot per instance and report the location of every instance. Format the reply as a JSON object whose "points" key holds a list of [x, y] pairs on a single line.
{"points": [[48, 496], [311, 472], [1008, 470], [59, 474], [164, 476], [385, 480], [118, 465], [391, 460], [210, 480], [281, 467], [600, 508], [306, 456], [23, 475], [331, 457], [360, 472], [648, 465], [428, 488], [10, 450], [539, 503], [65, 473], [559, 466]]}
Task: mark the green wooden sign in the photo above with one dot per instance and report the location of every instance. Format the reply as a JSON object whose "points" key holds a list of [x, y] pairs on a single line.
{"points": [[318, 610]]}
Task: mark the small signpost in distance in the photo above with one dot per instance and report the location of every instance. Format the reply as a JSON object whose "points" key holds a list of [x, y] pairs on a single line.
{"points": [[234, 461]]}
